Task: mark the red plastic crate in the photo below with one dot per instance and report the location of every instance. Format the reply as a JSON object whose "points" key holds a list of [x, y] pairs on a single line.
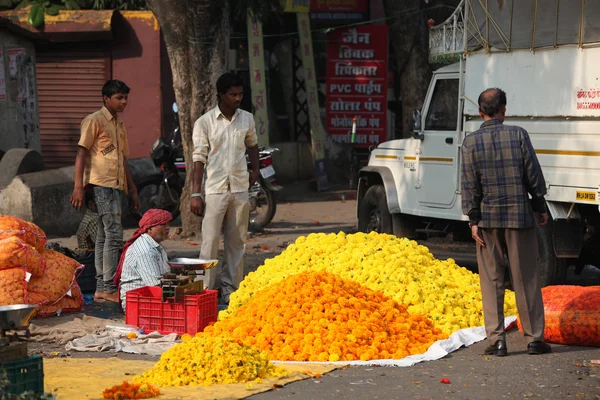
{"points": [[145, 309]]}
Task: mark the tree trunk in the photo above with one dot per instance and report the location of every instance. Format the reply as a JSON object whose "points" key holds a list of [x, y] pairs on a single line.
{"points": [[409, 36], [196, 34]]}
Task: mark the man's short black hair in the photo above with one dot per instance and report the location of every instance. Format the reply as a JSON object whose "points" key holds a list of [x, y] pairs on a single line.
{"points": [[113, 87], [227, 81], [491, 101]]}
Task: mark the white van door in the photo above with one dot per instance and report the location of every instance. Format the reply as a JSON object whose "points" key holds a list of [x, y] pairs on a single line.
{"points": [[438, 157]]}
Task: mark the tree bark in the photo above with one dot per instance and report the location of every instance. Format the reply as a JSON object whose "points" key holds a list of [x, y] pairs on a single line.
{"points": [[196, 34], [409, 36]]}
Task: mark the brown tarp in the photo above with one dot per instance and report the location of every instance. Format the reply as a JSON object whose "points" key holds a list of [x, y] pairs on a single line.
{"points": [[531, 24]]}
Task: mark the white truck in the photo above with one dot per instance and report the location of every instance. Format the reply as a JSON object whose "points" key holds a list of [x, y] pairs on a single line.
{"points": [[547, 59]]}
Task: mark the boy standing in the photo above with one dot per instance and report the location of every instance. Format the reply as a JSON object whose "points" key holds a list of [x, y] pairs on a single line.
{"points": [[101, 163]]}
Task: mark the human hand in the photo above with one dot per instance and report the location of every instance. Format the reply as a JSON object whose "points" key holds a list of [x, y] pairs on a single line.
{"points": [[254, 177], [197, 206], [476, 235], [77, 198], [134, 201], [542, 219]]}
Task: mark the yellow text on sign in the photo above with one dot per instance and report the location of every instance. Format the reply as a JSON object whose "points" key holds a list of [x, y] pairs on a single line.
{"points": [[586, 196]]}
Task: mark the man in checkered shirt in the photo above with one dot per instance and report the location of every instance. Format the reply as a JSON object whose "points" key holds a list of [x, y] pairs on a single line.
{"points": [[499, 172]]}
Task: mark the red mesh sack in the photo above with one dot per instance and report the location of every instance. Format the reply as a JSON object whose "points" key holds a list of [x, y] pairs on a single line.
{"points": [[58, 278], [16, 253], [572, 315], [69, 303], [13, 286], [26, 231]]}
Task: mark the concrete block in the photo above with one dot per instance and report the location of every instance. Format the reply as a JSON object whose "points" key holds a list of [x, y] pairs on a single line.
{"points": [[44, 198]]}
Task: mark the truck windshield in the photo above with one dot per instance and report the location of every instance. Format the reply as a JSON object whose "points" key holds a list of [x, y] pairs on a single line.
{"points": [[443, 108]]}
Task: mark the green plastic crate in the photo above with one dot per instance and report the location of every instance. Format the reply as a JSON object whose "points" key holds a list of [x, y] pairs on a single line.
{"points": [[24, 375]]}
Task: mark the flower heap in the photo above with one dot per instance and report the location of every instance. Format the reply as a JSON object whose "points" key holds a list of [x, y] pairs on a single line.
{"points": [[319, 316], [399, 268], [131, 391], [207, 359]]}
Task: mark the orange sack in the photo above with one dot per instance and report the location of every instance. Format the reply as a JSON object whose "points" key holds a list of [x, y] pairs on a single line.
{"points": [[16, 253], [13, 286], [26, 231], [572, 315], [69, 303], [58, 278]]}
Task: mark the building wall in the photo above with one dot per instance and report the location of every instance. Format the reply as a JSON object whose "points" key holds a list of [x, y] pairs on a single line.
{"points": [[19, 119], [136, 58]]}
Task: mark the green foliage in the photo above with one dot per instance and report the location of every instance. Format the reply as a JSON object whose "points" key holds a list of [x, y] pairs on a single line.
{"points": [[40, 8]]}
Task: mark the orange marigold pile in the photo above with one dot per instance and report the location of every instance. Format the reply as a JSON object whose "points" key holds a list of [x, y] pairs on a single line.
{"points": [[131, 391], [319, 316]]}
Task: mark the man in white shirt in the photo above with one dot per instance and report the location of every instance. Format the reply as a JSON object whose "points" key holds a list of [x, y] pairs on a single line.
{"points": [[144, 260], [221, 138]]}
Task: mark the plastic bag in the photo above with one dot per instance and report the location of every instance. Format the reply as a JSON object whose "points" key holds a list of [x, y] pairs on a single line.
{"points": [[58, 278], [26, 231], [13, 286], [16, 253], [572, 315], [69, 303]]}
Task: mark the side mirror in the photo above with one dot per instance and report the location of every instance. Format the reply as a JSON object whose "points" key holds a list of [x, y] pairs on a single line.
{"points": [[415, 122], [175, 109]]}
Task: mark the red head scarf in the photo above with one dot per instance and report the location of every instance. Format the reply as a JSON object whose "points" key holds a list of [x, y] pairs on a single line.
{"points": [[151, 218]]}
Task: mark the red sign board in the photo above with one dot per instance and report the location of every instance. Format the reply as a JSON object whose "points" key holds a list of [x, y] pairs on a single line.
{"points": [[357, 77], [358, 6]]}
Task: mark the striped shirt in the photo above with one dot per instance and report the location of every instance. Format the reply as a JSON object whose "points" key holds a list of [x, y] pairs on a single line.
{"points": [[144, 265], [499, 172]]}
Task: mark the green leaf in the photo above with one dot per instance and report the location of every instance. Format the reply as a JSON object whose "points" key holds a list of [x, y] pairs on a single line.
{"points": [[36, 16], [46, 4], [52, 10], [72, 5]]}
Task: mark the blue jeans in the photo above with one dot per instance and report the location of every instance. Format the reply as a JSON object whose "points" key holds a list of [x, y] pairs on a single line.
{"points": [[110, 237]]}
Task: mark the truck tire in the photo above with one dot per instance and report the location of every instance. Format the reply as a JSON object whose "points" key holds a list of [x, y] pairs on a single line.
{"points": [[373, 212], [553, 270]]}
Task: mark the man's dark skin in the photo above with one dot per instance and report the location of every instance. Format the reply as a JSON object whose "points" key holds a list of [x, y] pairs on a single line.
{"points": [[115, 104], [229, 102]]}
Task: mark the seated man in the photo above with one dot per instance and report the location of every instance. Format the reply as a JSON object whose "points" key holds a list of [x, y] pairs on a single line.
{"points": [[88, 228], [144, 260]]}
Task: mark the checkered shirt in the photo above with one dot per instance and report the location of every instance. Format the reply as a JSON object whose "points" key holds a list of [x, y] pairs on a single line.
{"points": [[499, 170]]}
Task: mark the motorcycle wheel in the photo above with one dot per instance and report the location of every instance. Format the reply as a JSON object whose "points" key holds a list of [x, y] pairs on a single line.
{"points": [[151, 197], [262, 207]]}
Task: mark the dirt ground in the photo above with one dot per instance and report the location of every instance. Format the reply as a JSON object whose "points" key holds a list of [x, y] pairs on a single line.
{"points": [[569, 372]]}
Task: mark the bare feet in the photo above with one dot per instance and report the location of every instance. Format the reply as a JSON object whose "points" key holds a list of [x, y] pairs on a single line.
{"points": [[112, 297], [99, 295]]}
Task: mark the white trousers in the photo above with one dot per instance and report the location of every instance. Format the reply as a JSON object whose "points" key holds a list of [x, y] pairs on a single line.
{"points": [[230, 211]]}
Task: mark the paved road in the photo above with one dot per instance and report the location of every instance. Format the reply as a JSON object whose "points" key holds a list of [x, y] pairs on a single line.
{"points": [[566, 373]]}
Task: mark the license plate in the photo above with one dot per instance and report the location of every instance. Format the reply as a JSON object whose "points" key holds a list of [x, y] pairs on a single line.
{"points": [[267, 171], [586, 196]]}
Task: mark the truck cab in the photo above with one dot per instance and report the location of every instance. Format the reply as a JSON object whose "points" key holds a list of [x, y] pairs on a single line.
{"points": [[411, 187]]}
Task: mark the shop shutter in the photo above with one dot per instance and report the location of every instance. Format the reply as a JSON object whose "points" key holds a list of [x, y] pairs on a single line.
{"points": [[69, 85]]}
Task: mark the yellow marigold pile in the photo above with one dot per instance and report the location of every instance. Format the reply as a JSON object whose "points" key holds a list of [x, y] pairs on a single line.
{"points": [[207, 359], [319, 316], [399, 268]]}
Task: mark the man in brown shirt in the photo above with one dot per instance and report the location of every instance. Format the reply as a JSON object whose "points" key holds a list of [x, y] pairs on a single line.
{"points": [[101, 164], [499, 172]]}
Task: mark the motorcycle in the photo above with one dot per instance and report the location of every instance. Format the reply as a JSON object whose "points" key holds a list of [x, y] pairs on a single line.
{"points": [[165, 191]]}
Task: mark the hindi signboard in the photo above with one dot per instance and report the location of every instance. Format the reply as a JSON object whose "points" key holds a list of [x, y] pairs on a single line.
{"points": [[317, 133], [339, 10], [357, 80], [258, 85]]}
